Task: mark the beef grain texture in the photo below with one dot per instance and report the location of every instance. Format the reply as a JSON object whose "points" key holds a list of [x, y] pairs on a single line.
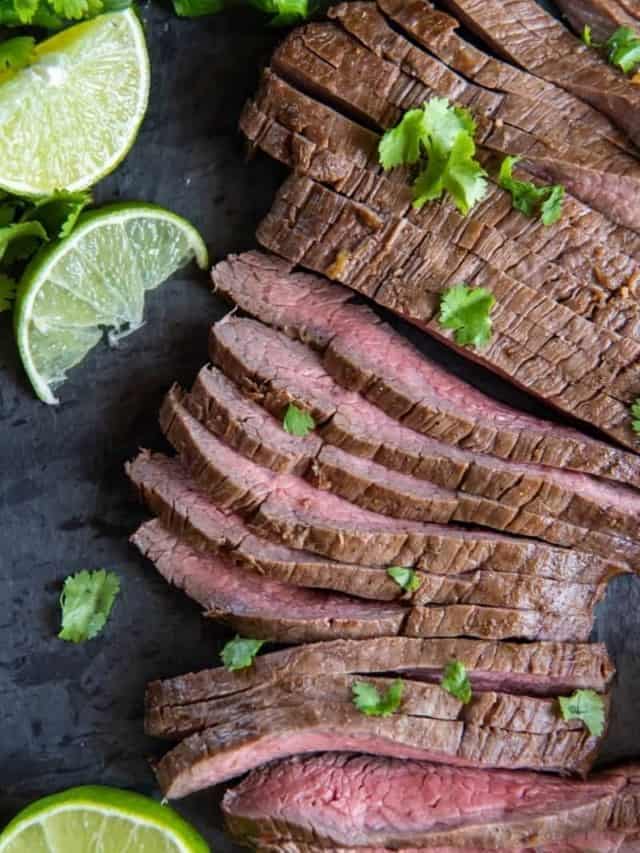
{"points": [[555, 264], [389, 260], [602, 16], [557, 506], [527, 35], [368, 356], [354, 802], [249, 740], [542, 669]]}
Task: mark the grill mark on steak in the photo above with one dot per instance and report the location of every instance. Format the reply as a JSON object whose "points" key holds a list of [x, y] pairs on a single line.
{"points": [[523, 32], [274, 370], [400, 268], [542, 668], [351, 802], [385, 368], [258, 606]]}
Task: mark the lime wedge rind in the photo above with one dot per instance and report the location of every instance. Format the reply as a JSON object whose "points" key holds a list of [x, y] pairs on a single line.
{"points": [[130, 815], [59, 127], [65, 305]]}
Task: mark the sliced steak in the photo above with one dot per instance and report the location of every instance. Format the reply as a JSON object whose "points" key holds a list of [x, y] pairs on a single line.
{"points": [[273, 369], [257, 606], [390, 260], [581, 262], [249, 740], [346, 801], [544, 669], [527, 35], [603, 17], [368, 356], [521, 125]]}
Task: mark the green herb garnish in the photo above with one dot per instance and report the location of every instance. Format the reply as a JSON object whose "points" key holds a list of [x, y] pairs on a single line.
{"points": [[585, 705], [283, 12], [240, 652], [635, 414], [54, 14], [456, 681], [368, 699], [544, 201], [468, 311], [298, 422], [440, 139], [407, 579], [586, 35], [623, 49], [86, 601]]}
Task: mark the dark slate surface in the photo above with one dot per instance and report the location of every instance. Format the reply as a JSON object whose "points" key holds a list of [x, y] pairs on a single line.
{"points": [[73, 715]]}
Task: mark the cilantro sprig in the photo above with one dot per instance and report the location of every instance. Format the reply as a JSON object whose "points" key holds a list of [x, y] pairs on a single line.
{"points": [[467, 311], [587, 706], [240, 652], [635, 415], [298, 422], [455, 681], [623, 49], [438, 139], [543, 201], [282, 12], [86, 601], [407, 579], [54, 14], [370, 701]]}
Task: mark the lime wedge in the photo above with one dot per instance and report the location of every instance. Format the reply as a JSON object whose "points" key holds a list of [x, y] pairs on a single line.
{"points": [[95, 280], [71, 116], [99, 820]]}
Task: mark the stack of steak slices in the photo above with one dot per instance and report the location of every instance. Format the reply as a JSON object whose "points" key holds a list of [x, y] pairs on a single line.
{"points": [[505, 527]]}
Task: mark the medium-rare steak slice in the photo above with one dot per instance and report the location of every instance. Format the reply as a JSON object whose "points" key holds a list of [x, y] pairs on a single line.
{"points": [[249, 740], [602, 16], [384, 367], [559, 263], [544, 669], [527, 35], [390, 260], [339, 801], [289, 510], [520, 125], [257, 606], [519, 498]]}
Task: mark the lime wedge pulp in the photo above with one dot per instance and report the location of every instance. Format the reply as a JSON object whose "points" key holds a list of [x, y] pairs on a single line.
{"points": [[99, 820], [71, 116], [94, 280]]}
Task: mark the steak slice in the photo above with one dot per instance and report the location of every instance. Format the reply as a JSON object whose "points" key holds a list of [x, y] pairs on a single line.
{"points": [[519, 498], [602, 16], [527, 35], [543, 669], [257, 606], [249, 740], [520, 124], [340, 801], [392, 262], [581, 262], [385, 367]]}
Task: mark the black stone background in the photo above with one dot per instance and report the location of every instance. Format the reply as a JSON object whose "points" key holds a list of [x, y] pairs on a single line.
{"points": [[72, 715]]}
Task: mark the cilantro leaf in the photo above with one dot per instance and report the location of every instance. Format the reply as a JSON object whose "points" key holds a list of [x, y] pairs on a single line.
{"points": [[285, 12], [15, 238], [240, 652], [586, 35], [585, 705], [467, 310], [8, 288], [16, 53], [59, 212], [545, 201], [635, 414], [298, 422], [456, 681], [438, 137], [623, 49], [407, 579], [25, 10], [197, 8], [368, 699], [87, 599], [75, 10]]}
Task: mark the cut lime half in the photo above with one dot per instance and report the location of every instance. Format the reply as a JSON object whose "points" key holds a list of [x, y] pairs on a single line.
{"points": [[95, 280], [71, 116], [99, 820]]}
